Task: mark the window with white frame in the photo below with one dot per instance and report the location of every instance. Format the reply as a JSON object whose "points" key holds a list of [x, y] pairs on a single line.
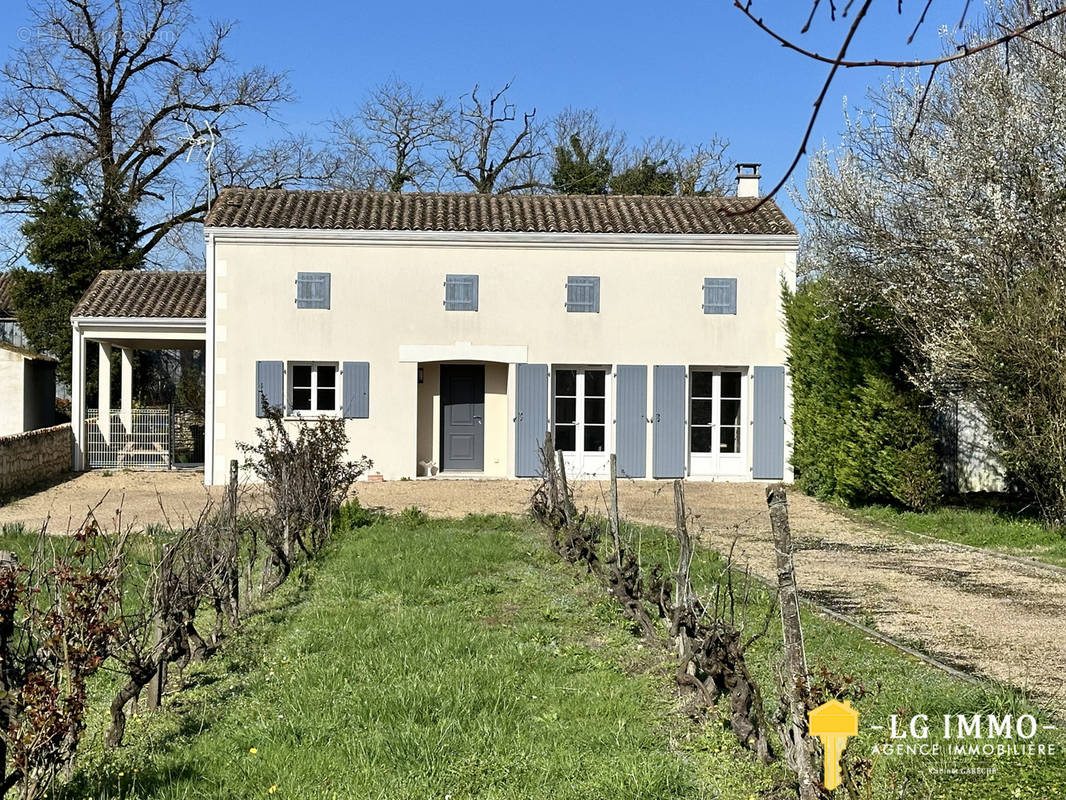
{"points": [[715, 412], [729, 412], [701, 414], [313, 388], [580, 405]]}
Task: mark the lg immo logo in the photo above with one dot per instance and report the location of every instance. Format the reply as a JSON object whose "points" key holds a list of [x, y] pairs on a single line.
{"points": [[834, 722], [965, 735]]}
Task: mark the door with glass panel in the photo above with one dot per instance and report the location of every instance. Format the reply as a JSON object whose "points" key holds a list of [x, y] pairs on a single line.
{"points": [[717, 432], [579, 416]]}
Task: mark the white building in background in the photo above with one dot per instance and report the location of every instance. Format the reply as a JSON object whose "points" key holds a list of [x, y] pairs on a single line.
{"points": [[27, 378], [27, 390]]}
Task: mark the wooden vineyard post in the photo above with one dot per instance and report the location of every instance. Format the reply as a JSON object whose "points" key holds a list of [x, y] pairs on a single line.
{"points": [[233, 570], [798, 750], [616, 537]]}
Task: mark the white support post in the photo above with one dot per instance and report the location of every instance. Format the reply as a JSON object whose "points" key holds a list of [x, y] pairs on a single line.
{"points": [[77, 399], [103, 404], [127, 389]]}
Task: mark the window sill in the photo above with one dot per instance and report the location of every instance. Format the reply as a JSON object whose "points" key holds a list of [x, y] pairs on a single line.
{"points": [[310, 416]]}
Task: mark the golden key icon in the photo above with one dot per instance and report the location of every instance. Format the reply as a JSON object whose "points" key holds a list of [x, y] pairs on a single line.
{"points": [[833, 722]]}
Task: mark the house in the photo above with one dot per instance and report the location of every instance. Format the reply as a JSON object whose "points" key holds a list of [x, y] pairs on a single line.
{"points": [[10, 332], [450, 331], [27, 378], [27, 390]]}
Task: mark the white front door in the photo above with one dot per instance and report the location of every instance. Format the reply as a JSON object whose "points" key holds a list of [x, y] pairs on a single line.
{"points": [[717, 398], [579, 414]]}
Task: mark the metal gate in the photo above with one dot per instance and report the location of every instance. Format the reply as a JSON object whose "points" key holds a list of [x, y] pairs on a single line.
{"points": [[143, 441]]}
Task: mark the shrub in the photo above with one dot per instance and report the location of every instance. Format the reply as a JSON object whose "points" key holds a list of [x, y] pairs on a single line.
{"points": [[412, 517], [56, 622], [352, 515], [307, 478], [861, 432]]}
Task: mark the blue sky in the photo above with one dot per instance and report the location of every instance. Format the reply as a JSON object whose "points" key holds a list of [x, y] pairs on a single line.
{"points": [[679, 69]]}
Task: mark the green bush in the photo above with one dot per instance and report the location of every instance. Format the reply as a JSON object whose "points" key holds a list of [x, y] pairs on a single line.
{"points": [[352, 515], [412, 517], [860, 432]]}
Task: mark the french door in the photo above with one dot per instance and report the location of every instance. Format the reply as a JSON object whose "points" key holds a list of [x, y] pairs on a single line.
{"points": [[579, 417], [717, 440]]}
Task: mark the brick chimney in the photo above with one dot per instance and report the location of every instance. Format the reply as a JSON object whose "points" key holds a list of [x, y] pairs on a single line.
{"points": [[748, 180]]}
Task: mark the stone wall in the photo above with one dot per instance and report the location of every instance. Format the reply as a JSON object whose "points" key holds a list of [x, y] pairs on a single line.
{"points": [[189, 436], [34, 457]]}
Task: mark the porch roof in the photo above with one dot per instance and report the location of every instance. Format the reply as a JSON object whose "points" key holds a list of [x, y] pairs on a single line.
{"points": [[137, 294], [145, 310]]}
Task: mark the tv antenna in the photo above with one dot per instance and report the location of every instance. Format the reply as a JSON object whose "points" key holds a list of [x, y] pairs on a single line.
{"points": [[203, 140]]}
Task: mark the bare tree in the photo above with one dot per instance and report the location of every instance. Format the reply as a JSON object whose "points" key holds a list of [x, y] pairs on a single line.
{"points": [[596, 135], [487, 150], [124, 88], [396, 136], [584, 151], [660, 165], [1013, 20], [703, 169]]}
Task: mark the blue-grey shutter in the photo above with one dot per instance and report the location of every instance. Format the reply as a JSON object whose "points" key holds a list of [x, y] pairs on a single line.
{"points": [[312, 289], [355, 381], [269, 383], [583, 294], [668, 423], [531, 417], [719, 295], [460, 292], [631, 421], [768, 424]]}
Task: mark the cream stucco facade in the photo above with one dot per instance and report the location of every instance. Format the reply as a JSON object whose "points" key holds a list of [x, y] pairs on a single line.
{"points": [[386, 309]]}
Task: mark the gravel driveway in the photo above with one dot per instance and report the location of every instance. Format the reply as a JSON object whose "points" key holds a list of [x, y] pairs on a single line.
{"points": [[981, 612]]}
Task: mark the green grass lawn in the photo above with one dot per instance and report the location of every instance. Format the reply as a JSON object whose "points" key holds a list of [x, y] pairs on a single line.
{"points": [[465, 660], [988, 528]]}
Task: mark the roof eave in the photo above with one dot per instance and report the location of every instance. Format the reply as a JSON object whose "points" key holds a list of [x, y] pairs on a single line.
{"points": [[189, 322], [789, 241]]}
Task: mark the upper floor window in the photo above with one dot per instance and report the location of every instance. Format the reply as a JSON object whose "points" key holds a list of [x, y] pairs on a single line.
{"points": [[719, 295], [314, 388], [460, 292], [312, 290], [583, 294]]}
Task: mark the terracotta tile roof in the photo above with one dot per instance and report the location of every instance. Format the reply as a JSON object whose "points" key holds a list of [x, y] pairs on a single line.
{"points": [[6, 308], [525, 213], [138, 293]]}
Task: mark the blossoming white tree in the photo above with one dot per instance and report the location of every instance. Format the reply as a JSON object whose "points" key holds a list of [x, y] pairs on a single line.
{"points": [[944, 206]]}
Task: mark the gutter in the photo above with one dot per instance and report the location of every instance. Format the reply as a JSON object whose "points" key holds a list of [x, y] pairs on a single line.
{"points": [[615, 241]]}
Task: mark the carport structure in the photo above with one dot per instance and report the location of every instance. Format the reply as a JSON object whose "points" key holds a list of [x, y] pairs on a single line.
{"points": [[128, 311]]}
